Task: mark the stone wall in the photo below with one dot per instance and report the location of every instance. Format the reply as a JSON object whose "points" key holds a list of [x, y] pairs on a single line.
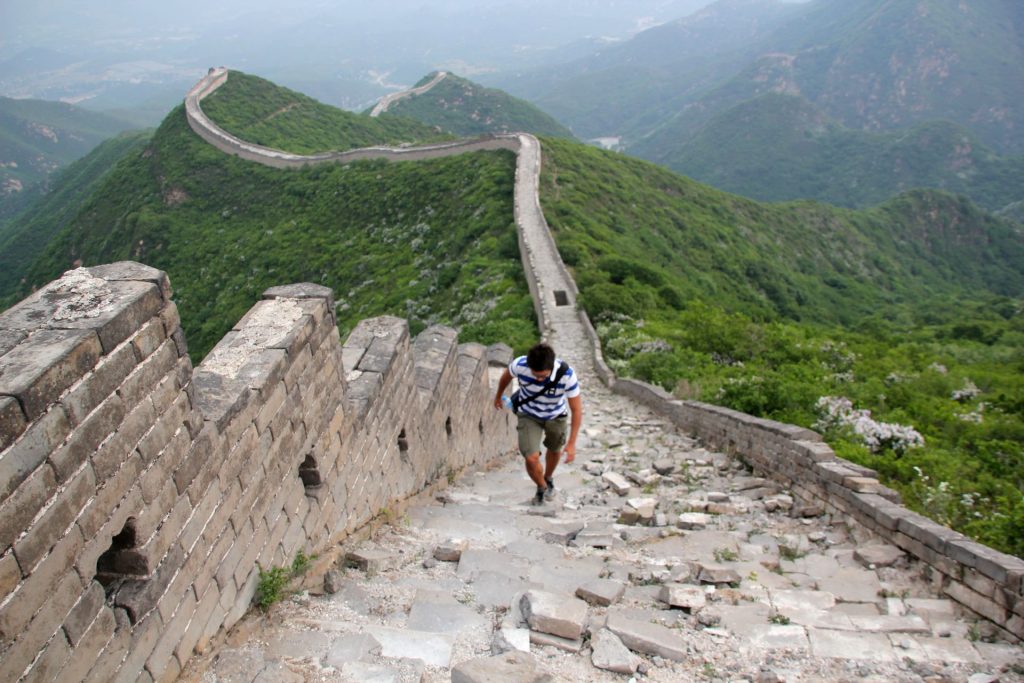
{"points": [[981, 579], [140, 497], [229, 144]]}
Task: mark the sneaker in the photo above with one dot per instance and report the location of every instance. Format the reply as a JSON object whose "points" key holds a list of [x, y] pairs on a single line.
{"points": [[549, 492], [538, 499]]}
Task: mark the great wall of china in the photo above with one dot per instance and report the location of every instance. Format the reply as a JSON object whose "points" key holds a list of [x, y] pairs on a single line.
{"points": [[141, 496]]}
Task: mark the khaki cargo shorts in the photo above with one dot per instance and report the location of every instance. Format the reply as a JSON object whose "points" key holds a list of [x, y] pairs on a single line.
{"points": [[554, 432]]}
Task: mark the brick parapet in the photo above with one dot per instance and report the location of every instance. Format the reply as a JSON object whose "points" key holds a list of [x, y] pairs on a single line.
{"points": [[985, 581], [140, 497]]}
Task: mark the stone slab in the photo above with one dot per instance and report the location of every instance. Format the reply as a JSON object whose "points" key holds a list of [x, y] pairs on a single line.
{"points": [[648, 638], [556, 614], [509, 667], [852, 585], [778, 637], [351, 647], [435, 649], [610, 654], [878, 555], [874, 647], [692, 598], [602, 592]]}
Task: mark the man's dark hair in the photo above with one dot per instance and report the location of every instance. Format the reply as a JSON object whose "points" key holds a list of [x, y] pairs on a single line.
{"points": [[541, 357]]}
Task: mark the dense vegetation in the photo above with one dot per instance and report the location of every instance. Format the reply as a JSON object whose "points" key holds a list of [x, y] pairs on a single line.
{"points": [[37, 137], [910, 310], [24, 237], [380, 235], [780, 147], [260, 112], [467, 109]]}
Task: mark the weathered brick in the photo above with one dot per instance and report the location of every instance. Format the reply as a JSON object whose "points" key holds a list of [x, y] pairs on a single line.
{"points": [[36, 589], [113, 452], [104, 379], [205, 607], [87, 651], [144, 637], [159, 473], [55, 521], [114, 652], [108, 495], [148, 338], [162, 656], [21, 508], [166, 425], [99, 427], [84, 612], [270, 407], [10, 575], [139, 597], [170, 318], [32, 635], [147, 374], [134, 303], [252, 551], [229, 563], [12, 421], [23, 457], [50, 662], [976, 602], [157, 545], [39, 370], [197, 522], [200, 453]]}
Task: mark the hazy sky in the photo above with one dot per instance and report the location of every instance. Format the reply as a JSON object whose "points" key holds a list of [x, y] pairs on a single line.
{"points": [[79, 51]]}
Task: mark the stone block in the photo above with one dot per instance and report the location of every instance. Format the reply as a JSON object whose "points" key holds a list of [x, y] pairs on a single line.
{"points": [[143, 639], [148, 374], [648, 638], [40, 369], [874, 647], [611, 655], [59, 515], [88, 649], [51, 582], [555, 614], [617, 482], [50, 661], [693, 521], [20, 508], [84, 612], [509, 667], [139, 597], [149, 338], [161, 661], [976, 602], [31, 633], [717, 574], [12, 421], [104, 379], [882, 555], [22, 458], [451, 550], [691, 598]]}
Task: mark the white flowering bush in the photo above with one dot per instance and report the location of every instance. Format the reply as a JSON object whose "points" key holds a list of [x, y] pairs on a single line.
{"points": [[968, 392], [836, 413]]}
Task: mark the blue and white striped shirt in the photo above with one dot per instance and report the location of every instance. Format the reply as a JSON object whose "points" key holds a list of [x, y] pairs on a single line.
{"points": [[552, 402]]}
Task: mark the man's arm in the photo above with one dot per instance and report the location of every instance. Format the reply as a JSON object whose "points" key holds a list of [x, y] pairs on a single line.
{"points": [[503, 383], [576, 406]]}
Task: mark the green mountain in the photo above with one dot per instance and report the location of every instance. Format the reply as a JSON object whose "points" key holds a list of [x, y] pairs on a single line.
{"points": [[24, 236], [780, 147], [761, 307], [468, 109], [377, 233], [37, 137], [871, 65]]}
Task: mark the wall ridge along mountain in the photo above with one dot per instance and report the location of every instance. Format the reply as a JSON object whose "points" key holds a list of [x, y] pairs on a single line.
{"points": [[987, 582], [388, 100]]}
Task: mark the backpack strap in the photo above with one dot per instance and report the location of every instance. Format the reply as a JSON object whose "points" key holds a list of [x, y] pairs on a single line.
{"points": [[518, 402]]}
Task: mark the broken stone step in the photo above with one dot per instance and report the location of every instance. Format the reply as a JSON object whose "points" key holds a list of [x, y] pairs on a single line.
{"points": [[617, 482], [648, 638], [691, 598], [510, 667], [555, 614], [601, 592], [369, 561], [610, 654]]}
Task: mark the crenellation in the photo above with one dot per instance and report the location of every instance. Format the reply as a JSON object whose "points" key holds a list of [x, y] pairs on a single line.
{"points": [[200, 467]]}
